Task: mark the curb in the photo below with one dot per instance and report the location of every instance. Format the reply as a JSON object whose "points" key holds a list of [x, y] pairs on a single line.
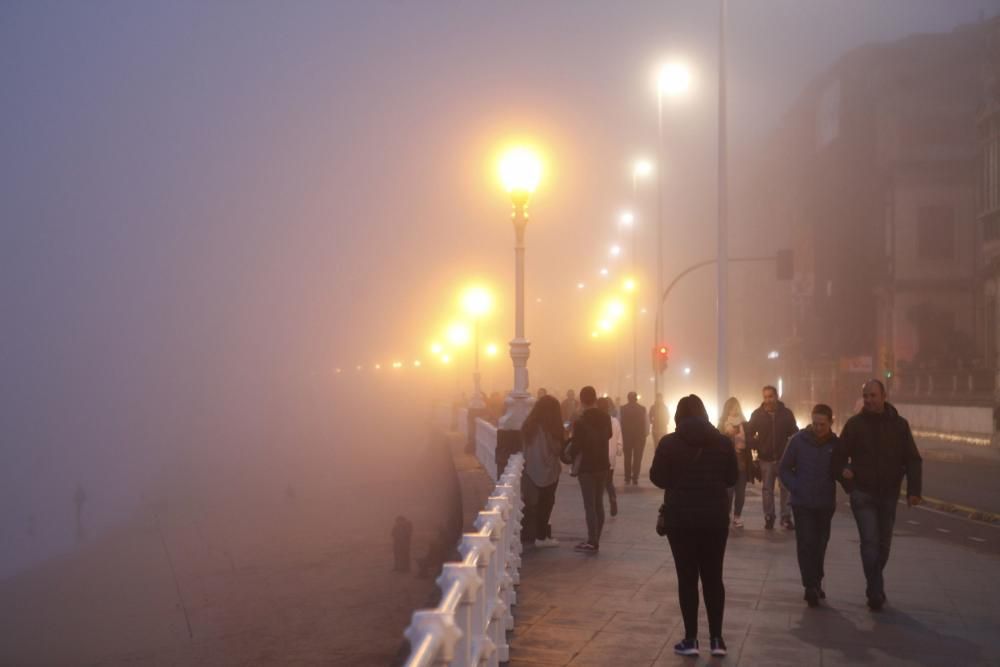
{"points": [[971, 513]]}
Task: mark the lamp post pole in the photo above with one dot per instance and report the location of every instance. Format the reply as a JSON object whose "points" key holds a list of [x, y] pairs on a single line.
{"points": [[519, 400], [722, 279], [658, 326], [477, 402]]}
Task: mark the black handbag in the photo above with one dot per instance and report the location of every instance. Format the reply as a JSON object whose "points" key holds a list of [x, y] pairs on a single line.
{"points": [[661, 520]]}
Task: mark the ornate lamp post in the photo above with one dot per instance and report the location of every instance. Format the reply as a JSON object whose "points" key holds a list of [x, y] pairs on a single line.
{"points": [[520, 171]]}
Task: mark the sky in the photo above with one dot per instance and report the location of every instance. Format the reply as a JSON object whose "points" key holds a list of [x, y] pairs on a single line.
{"points": [[206, 208]]}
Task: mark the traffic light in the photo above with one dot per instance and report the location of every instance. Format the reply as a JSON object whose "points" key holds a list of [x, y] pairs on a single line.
{"points": [[785, 264], [661, 357]]}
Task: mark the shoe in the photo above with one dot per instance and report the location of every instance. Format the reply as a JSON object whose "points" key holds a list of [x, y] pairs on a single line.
{"points": [[547, 543], [769, 523], [786, 523], [586, 547], [877, 602], [737, 522], [718, 646], [686, 647], [614, 507], [812, 597]]}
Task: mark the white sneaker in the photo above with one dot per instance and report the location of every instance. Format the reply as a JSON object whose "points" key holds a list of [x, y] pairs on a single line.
{"points": [[737, 522], [548, 542]]}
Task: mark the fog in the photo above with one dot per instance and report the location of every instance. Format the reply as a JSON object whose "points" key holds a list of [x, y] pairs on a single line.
{"points": [[207, 209]]}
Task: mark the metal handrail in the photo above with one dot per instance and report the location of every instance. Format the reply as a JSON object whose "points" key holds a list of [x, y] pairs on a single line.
{"points": [[469, 626]]}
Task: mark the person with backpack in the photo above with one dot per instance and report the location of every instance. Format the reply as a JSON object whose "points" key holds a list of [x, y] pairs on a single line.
{"points": [[543, 433], [587, 452], [694, 466]]}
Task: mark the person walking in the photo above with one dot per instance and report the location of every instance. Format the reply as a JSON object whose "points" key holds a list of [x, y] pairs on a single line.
{"points": [[543, 435], [770, 427], [694, 466], [732, 424], [635, 430], [614, 451], [589, 444], [659, 420], [806, 471], [569, 407], [875, 451]]}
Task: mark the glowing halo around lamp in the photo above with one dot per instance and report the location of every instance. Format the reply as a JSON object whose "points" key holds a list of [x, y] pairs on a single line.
{"points": [[520, 170]]}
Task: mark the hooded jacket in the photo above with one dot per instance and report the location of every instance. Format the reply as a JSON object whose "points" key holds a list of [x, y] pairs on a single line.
{"points": [[695, 465], [806, 470], [768, 433], [879, 450], [591, 433]]}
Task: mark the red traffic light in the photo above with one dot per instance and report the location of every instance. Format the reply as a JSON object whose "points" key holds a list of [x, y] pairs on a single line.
{"points": [[661, 357]]}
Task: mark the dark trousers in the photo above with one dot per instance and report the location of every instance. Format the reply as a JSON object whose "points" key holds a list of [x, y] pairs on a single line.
{"points": [[610, 487], [875, 517], [699, 549], [812, 533], [738, 492], [592, 485], [538, 504], [632, 453]]}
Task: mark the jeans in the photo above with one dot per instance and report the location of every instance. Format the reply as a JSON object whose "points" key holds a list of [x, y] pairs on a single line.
{"points": [[699, 549], [738, 492], [769, 471], [538, 504], [875, 517], [632, 452], [592, 485], [812, 533]]}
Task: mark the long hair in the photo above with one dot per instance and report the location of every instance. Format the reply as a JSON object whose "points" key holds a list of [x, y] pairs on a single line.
{"points": [[545, 415], [731, 403], [690, 406]]}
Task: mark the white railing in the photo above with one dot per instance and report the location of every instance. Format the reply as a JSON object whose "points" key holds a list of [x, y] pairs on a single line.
{"points": [[486, 446], [469, 626]]}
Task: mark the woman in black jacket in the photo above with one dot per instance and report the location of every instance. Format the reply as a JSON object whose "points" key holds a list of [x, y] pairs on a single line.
{"points": [[695, 465]]}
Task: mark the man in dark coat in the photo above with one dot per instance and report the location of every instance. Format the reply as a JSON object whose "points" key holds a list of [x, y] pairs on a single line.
{"points": [[635, 429], [589, 443], [768, 431], [875, 451]]}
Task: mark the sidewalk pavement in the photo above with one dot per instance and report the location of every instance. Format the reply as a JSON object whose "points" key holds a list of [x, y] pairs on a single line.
{"points": [[620, 608]]}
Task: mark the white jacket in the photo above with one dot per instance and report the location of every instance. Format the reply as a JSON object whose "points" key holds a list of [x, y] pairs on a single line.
{"points": [[615, 441]]}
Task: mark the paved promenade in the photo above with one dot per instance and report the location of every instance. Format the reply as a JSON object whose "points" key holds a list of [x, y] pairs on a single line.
{"points": [[620, 607]]}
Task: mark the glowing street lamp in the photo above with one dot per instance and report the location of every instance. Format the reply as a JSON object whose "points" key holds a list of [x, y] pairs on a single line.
{"points": [[615, 250], [673, 80], [520, 171], [626, 219], [458, 334]]}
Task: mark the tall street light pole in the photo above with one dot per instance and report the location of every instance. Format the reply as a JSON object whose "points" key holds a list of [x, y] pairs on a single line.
{"points": [[674, 80], [520, 170], [722, 367]]}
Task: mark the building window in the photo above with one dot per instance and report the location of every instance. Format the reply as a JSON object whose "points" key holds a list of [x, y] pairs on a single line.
{"points": [[935, 232]]}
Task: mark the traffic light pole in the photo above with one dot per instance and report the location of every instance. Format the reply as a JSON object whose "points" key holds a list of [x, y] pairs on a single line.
{"points": [[677, 279]]}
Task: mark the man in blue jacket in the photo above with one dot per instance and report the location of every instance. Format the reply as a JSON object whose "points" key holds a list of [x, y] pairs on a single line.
{"points": [[807, 474]]}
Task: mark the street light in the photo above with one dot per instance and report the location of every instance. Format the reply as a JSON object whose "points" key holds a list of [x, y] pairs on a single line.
{"points": [[673, 81], [477, 301], [520, 171]]}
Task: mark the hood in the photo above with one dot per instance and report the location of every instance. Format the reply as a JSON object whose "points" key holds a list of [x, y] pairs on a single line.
{"points": [[696, 431], [810, 436]]}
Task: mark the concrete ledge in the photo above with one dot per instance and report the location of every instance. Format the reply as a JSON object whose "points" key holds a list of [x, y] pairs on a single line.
{"points": [[960, 420]]}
